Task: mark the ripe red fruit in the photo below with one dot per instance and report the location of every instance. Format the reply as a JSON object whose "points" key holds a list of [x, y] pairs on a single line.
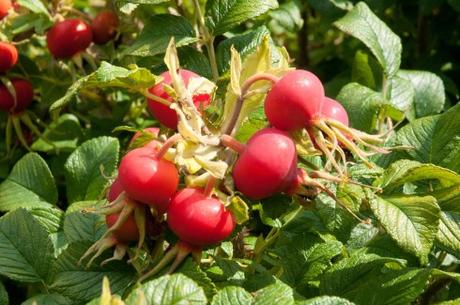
{"points": [[69, 37], [5, 6], [334, 110], [268, 164], [294, 101], [147, 178], [8, 56], [104, 27], [163, 113], [199, 220], [24, 96], [115, 190], [127, 232]]}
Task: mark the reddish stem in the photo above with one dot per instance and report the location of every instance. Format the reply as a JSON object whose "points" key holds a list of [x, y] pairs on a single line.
{"points": [[232, 143], [229, 129], [167, 145], [210, 186]]}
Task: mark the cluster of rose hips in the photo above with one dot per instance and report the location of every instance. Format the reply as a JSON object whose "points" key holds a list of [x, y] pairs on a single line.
{"points": [[65, 39], [147, 191]]}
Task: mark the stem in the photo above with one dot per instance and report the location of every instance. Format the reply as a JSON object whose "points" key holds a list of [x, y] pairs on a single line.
{"points": [[8, 134], [210, 186], [167, 145], [18, 129], [232, 143], [169, 256], [208, 40], [229, 128], [158, 99]]}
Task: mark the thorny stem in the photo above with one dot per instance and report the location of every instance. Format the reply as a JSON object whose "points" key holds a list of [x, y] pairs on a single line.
{"points": [[158, 99], [232, 143], [167, 145], [229, 128]]}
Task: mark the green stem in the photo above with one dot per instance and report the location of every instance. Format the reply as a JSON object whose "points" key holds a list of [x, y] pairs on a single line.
{"points": [[208, 40]]}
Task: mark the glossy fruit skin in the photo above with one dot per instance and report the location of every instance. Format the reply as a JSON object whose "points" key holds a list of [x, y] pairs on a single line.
{"points": [[68, 38], [128, 231], [104, 27], [294, 101], [115, 190], [267, 166], [147, 179], [5, 6], [199, 220], [163, 113], [334, 110], [24, 95], [8, 56]]}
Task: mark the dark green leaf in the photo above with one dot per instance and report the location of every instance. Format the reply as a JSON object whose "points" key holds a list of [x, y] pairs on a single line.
{"points": [[88, 167], [48, 299], [83, 227], [224, 15], [278, 293], [325, 300], [30, 184]]}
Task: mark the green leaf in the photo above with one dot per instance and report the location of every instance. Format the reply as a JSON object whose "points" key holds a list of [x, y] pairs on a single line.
{"points": [[26, 247], [195, 61], [87, 168], [429, 91], [412, 221], [48, 299], [406, 171], [278, 293], [305, 257], [30, 184], [64, 133], [364, 25], [84, 284], [245, 44], [255, 122], [35, 6], [153, 41], [170, 290], [232, 295], [401, 93], [361, 70], [4, 300], [193, 271], [83, 227], [350, 276], [435, 139], [52, 220], [325, 300], [286, 18], [224, 15], [239, 209], [362, 104], [107, 75]]}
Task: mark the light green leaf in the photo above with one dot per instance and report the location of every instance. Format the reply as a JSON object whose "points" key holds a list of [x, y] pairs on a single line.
{"points": [[224, 15], [30, 184], [170, 290], [83, 227], [429, 91], [412, 221], [26, 247], [278, 293], [87, 168], [363, 24], [239, 209], [407, 171], [362, 104], [35, 6], [245, 44], [83, 284], [70, 94], [361, 70], [325, 300], [153, 41], [435, 139], [286, 18], [48, 299], [400, 93], [193, 271], [64, 133], [232, 295]]}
